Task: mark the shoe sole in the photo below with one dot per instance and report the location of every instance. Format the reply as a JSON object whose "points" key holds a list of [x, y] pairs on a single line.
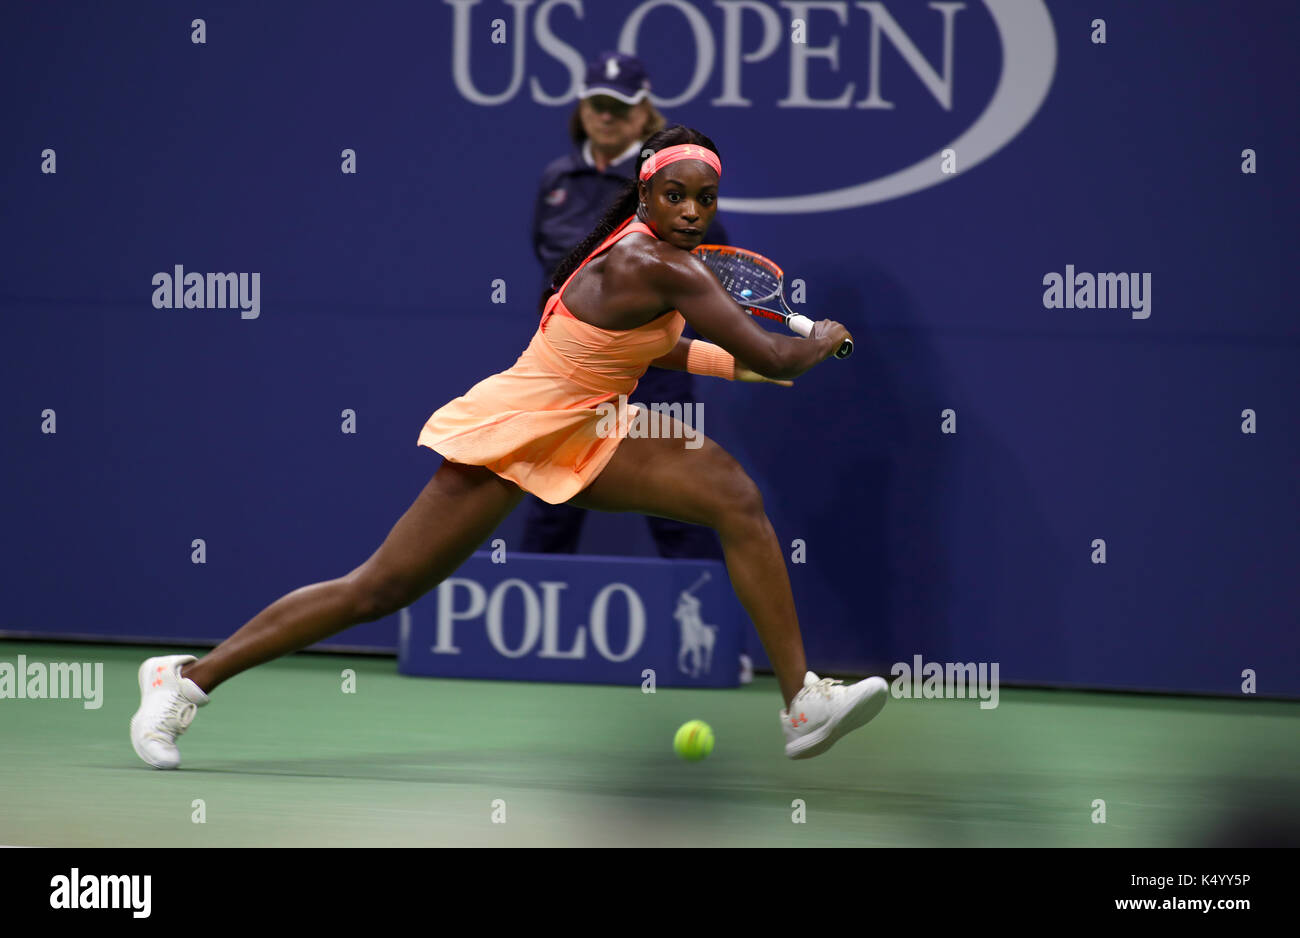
{"points": [[862, 713]]}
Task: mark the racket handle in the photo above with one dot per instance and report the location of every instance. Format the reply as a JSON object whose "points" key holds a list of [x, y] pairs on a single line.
{"points": [[800, 324], [804, 326]]}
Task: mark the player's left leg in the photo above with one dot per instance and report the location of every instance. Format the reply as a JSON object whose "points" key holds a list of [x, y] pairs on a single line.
{"points": [[659, 386], [705, 485]]}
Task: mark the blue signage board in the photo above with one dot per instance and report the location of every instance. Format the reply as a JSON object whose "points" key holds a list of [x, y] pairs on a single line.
{"points": [[540, 617]]}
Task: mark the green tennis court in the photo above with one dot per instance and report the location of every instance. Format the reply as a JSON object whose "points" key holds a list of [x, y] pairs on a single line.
{"points": [[283, 757]]}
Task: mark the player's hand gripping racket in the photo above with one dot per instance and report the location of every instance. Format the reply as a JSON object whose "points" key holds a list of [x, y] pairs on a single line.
{"points": [[755, 283]]}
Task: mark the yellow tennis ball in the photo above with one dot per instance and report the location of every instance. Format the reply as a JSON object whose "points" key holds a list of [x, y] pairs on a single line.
{"points": [[694, 740]]}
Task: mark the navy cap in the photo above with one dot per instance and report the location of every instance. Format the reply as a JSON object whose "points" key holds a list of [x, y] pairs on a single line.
{"points": [[617, 75]]}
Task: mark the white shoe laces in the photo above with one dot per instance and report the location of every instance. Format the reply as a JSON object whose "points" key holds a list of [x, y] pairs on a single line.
{"points": [[176, 718], [825, 687]]}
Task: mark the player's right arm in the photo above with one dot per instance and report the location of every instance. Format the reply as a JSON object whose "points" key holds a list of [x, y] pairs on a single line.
{"points": [[685, 284]]}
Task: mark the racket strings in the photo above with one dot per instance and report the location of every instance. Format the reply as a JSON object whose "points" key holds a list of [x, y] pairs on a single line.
{"points": [[742, 277]]}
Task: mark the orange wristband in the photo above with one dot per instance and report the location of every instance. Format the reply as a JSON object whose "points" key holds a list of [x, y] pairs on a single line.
{"points": [[705, 358]]}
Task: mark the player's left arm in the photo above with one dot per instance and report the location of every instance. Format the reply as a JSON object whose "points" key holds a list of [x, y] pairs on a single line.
{"points": [[676, 361]]}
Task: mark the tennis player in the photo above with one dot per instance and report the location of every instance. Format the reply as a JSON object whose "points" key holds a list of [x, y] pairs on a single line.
{"points": [[623, 297], [610, 123]]}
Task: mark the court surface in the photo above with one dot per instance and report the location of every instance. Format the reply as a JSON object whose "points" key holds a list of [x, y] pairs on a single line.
{"points": [[283, 757]]}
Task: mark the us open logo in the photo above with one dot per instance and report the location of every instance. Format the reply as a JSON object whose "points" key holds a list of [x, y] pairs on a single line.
{"points": [[744, 58]]}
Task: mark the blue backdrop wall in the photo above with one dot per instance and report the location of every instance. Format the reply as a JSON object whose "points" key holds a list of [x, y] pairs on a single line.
{"points": [[1071, 424]]}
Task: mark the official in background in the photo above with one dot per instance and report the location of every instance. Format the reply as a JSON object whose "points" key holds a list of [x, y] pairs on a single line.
{"points": [[613, 118]]}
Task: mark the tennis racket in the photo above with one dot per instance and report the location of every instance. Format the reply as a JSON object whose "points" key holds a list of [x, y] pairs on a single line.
{"points": [[755, 283]]}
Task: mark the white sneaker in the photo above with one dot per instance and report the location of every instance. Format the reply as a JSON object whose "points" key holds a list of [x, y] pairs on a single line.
{"points": [[168, 703], [825, 710]]}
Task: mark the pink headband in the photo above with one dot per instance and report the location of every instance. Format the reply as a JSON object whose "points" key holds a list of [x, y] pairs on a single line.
{"points": [[682, 151]]}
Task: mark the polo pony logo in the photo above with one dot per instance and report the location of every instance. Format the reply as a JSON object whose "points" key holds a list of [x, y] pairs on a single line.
{"points": [[696, 655]]}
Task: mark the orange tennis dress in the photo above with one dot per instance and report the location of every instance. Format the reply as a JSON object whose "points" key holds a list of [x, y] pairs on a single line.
{"points": [[536, 423]]}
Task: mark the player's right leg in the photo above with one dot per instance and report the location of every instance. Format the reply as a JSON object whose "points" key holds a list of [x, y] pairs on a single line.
{"points": [[453, 515], [458, 509]]}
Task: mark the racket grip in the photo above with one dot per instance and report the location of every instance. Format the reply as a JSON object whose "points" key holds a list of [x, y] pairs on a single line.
{"points": [[804, 326], [800, 324]]}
